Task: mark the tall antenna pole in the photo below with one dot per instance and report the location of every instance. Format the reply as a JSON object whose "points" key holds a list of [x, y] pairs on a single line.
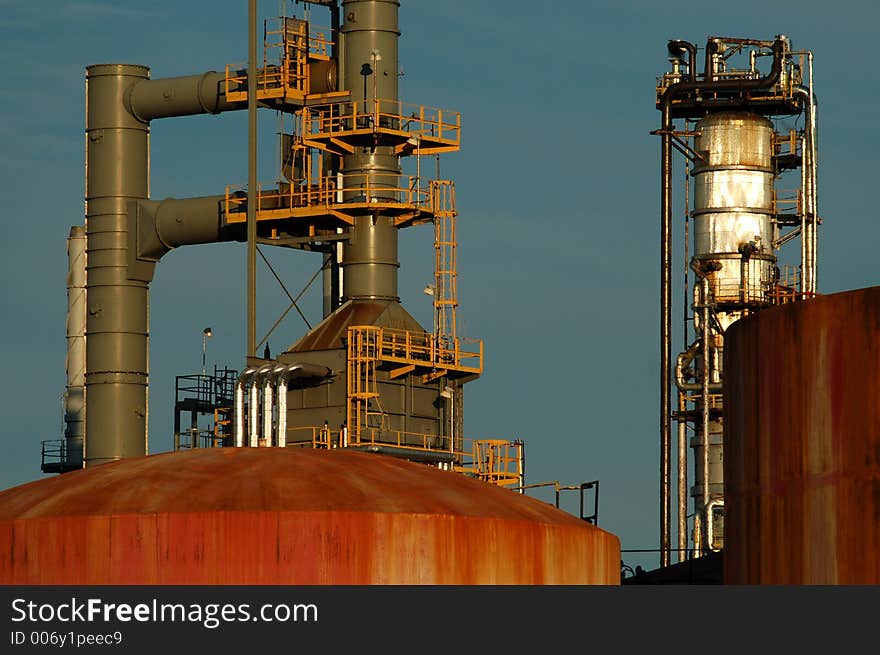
{"points": [[253, 195]]}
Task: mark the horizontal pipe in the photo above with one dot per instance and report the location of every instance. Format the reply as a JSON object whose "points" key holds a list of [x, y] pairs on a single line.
{"points": [[179, 96], [171, 223]]}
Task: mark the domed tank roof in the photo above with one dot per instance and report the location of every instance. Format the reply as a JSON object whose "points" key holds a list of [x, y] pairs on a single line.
{"points": [[276, 479], [290, 516]]}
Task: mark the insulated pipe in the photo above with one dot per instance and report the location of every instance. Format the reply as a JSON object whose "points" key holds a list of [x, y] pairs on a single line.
{"points": [[239, 413], [117, 155], [267, 409], [682, 479], [369, 42], [810, 191], [244, 378], [171, 223], [254, 414], [704, 351], [292, 372], [179, 96], [74, 400], [282, 410], [666, 99]]}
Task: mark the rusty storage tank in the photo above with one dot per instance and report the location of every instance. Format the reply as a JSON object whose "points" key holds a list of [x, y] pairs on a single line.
{"points": [[290, 516], [802, 443]]}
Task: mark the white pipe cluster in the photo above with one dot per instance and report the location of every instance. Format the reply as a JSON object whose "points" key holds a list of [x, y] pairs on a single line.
{"points": [[270, 382]]}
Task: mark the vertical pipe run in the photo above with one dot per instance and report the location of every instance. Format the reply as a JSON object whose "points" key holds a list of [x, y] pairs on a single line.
{"points": [[665, 331], [267, 410], [253, 195], [117, 160], [254, 411], [74, 397], [704, 394], [239, 413], [682, 480], [282, 411]]}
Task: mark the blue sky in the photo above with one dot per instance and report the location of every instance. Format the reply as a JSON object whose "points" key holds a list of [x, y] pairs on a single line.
{"points": [[557, 190]]}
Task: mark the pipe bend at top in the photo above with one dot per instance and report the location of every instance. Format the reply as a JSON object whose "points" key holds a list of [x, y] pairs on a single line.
{"points": [[678, 44], [708, 84]]}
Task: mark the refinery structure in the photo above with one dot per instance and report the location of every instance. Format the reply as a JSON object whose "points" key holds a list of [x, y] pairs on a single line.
{"points": [[344, 458], [748, 190]]}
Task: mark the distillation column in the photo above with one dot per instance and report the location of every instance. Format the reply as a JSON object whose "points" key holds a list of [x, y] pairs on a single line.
{"points": [[735, 266], [369, 72]]}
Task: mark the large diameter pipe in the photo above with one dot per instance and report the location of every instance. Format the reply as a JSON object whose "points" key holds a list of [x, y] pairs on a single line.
{"points": [[171, 223], [74, 398], [179, 96], [117, 154], [369, 262]]}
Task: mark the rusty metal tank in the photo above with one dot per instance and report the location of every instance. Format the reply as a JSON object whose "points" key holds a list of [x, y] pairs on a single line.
{"points": [[290, 516], [802, 443]]}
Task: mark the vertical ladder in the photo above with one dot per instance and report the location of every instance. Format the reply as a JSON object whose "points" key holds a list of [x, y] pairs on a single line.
{"points": [[445, 274], [363, 355]]}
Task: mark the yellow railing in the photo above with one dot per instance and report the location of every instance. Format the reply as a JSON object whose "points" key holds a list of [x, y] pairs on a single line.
{"points": [[286, 57], [336, 119], [357, 190], [326, 193], [496, 461], [422, 348]]}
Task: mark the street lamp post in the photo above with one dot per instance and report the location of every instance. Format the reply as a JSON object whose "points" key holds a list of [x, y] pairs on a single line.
{"points": [[205, 334]]}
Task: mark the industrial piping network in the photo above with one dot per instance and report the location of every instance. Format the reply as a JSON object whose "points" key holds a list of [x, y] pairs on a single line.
{"points": [[342, 196], [126, 234], [736, 157]]}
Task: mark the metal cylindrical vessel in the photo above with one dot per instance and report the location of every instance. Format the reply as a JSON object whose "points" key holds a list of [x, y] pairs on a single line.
{"points": [[733, 204], [74, 397], [290, 516], [802, 443], [369, 43], [117, 155]]}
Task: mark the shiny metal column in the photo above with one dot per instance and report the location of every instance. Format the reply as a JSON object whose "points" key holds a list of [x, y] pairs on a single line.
{"points": [[117, 171]]}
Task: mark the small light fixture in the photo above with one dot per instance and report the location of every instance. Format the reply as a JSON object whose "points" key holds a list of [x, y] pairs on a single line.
{"points": [[205, 334], [428, 290]]}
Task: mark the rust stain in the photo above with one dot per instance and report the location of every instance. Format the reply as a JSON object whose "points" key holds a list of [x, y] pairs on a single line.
{"points": [[289, 516], [802, 443]]}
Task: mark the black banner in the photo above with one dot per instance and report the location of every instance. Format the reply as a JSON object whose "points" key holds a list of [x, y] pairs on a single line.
{"points": [[248, 620]]}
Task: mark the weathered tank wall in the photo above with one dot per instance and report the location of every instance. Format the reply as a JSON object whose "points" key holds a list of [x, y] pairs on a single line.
{"points": [[802, 443], [289, 516]]}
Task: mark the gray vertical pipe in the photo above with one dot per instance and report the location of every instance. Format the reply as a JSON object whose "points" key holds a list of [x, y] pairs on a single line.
{"points": [[74, 405], [117, 157], [253, 196], [369, 258]]}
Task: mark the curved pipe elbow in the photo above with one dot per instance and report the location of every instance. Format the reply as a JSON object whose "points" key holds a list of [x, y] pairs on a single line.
{"points": [[675, 46]]}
